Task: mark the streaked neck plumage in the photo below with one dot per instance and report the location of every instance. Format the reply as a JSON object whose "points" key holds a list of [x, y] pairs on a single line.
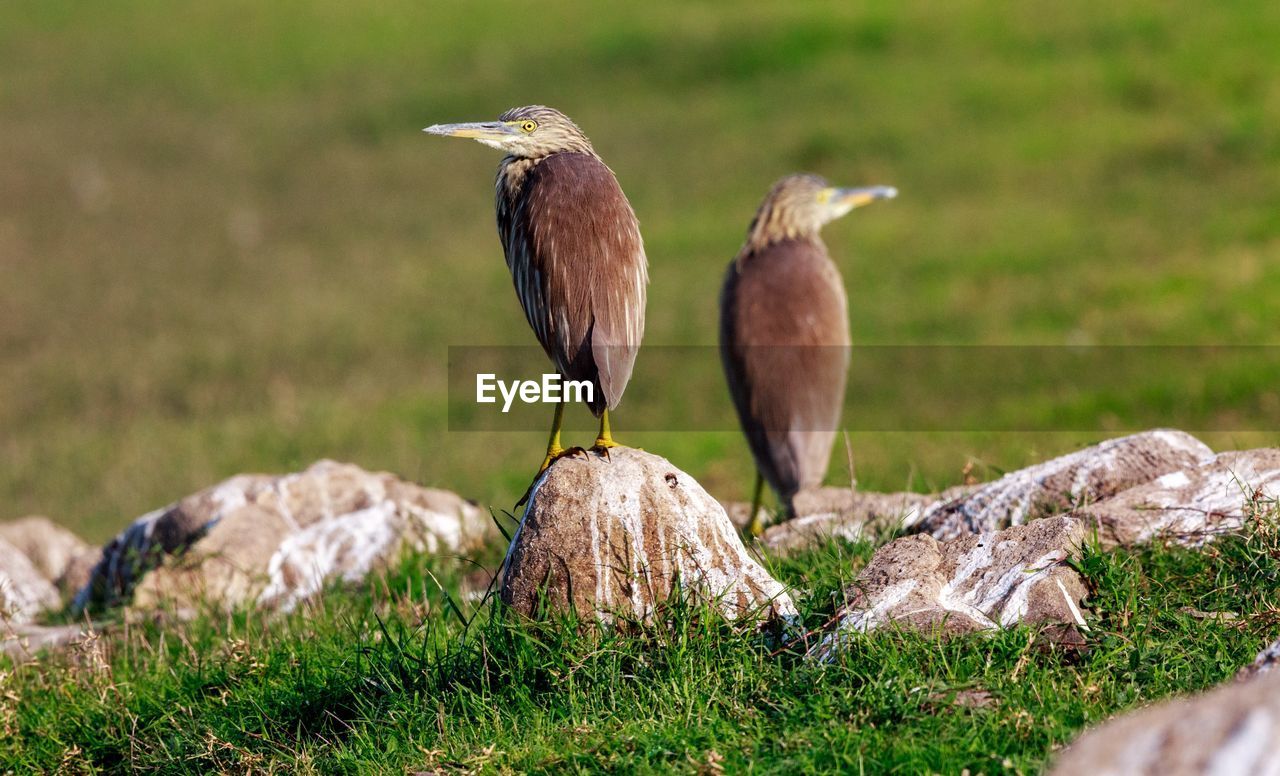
{"points": [[513, 170], [772, 226]]}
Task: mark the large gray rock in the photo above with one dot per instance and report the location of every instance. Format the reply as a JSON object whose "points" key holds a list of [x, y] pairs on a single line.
{"points": [[57, 554], [1192, 504], [24, 591], [615, 537], [1064, 483], [275, 540], [1234, 729], [974, 583]]}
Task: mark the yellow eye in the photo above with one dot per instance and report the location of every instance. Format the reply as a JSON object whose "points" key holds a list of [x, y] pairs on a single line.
{"points": [[824, 196], [528, 126]]}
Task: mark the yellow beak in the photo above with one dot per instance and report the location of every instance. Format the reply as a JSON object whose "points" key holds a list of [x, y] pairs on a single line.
{"points": [[479, 130], [858, 197]]}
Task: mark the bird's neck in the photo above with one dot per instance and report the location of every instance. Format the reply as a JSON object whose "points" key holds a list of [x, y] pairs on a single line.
{"points": [[772, 225], [513, 170], [753, 250]]}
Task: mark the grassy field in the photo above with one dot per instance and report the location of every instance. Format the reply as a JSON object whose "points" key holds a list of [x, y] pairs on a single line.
{"points": [[225, 245], [393, 679]]}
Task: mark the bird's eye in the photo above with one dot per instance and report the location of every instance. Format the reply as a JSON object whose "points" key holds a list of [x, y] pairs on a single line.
{"points": [[824, 196], [528, 126]]}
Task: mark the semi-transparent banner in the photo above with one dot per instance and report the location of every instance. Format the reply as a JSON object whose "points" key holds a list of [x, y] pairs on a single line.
{"points": [[893, 388]]}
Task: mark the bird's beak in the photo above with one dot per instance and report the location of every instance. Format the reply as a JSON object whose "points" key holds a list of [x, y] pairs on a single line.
{"points": [[852, 198], [479, 130]]}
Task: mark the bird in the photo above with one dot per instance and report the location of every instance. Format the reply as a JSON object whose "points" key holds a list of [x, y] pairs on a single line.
{"points": [[573, 246], [784, 335]]}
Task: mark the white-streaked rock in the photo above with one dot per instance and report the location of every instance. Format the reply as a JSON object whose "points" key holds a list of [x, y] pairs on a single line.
{"points": [[973, 583], [614, 537], [826, 513], [1233, 729], [1064, 483], [1265, 663], [344, 546], [1193, 504], [58, 554], [275, 540], [24, 591]]}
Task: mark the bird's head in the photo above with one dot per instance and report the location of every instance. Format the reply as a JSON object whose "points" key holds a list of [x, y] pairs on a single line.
{"points": [[800, 205], [531, 132]]}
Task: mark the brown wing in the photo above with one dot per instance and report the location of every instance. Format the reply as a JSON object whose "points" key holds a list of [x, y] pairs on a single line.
{"points": [[784, 343], [573, 246]]}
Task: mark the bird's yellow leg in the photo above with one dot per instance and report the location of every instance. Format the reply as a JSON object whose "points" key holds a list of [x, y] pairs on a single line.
{"points": [[554, 450], [604, 440], [756, 526]]}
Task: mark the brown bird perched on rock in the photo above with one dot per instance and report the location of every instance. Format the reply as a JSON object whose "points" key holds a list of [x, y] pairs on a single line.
{"points": [[573, 246], [784, 335]]}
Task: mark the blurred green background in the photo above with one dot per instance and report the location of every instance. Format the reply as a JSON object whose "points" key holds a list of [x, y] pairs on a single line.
{"points": [[226, 246]]}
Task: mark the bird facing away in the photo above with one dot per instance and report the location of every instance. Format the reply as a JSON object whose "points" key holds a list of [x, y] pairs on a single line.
{"points": [[784, 335], [573, 246]]}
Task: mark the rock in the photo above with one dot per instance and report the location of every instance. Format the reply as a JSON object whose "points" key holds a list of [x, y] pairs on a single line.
{"points": [[825, 513], [739, 513], [1232, 729], [973, 583], [1064, 483], [24, 591], [612, 538], [37, 558], [478, 584], [1192, 504], [976, 698], [844, 509], [1264, 663], [27, 639], [275, 540], [59, 555], [147, 541]]}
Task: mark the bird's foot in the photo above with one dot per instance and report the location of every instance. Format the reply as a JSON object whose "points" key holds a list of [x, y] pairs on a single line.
{"points": [[603, 445], [553, 455], [527, 492], [756, 528]]}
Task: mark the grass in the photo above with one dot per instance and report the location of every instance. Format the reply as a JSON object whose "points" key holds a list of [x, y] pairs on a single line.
{"points": [[230, 248], [396, 676]]}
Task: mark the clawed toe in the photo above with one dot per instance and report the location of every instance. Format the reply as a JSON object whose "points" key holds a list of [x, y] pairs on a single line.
{"points": [[552, 457], [527, 492]]}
